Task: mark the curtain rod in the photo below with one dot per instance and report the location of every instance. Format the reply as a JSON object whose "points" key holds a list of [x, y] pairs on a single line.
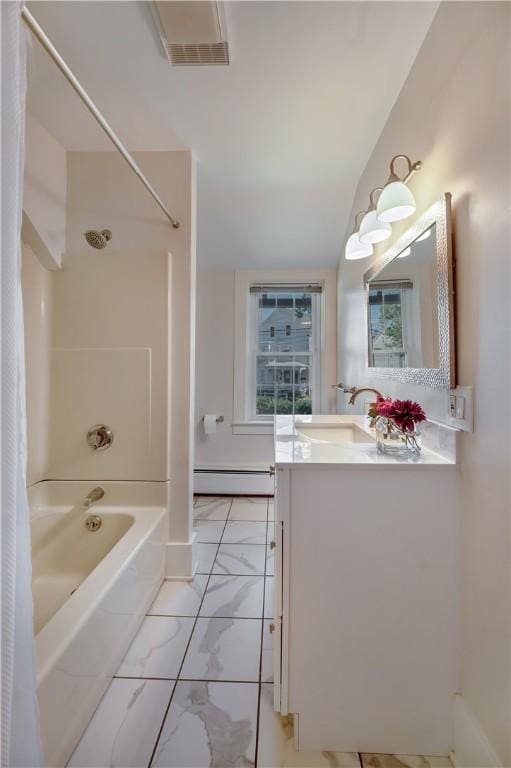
{"points": [[48, 46]]}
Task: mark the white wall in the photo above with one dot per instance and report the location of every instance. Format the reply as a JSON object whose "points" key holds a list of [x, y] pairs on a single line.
{"points": [[217, 319], [215, 379], [44, 194], [453, 114], [37, 314]]}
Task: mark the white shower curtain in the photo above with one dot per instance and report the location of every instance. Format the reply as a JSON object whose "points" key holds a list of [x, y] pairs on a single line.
{"points": [[20, 717]]}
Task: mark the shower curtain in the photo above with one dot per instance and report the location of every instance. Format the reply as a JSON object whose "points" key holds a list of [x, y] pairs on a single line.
{"points": [[20, 717]]}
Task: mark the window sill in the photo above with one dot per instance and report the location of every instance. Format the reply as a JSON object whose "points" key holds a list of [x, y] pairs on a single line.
{"points": [[252, 427]]}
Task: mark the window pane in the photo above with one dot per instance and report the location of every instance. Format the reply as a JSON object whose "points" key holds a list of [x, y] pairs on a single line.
{"points": [[266, 304], [284, 353], [283, 384], [284, 322]]}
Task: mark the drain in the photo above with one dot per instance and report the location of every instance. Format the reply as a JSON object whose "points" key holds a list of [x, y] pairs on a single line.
{"points": [[93, 523]]}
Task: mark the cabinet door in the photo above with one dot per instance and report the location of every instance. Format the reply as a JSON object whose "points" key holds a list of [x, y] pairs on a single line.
{"points": [[280, 591]]}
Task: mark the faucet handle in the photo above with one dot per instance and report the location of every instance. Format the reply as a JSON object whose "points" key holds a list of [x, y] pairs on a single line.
{"points": [[100, 437]]}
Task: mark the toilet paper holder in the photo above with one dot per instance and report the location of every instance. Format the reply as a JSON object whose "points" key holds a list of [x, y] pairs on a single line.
{"points": [[219, 419]]}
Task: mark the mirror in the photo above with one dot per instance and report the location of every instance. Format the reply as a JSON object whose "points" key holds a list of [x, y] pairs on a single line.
{"points": [[410, 304], [402, 317]]}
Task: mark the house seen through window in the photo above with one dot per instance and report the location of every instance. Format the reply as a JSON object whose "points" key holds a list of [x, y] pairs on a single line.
{"points": [[285, 349]]}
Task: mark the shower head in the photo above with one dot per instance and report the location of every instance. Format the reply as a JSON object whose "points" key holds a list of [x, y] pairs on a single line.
{"points": [[98, 239]]}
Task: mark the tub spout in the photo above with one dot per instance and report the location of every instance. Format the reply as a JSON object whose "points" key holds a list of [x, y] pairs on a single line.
{"points": [[95, 495]]}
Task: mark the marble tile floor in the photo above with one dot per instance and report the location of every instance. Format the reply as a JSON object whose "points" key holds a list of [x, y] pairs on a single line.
{"points": [[184, 695]]}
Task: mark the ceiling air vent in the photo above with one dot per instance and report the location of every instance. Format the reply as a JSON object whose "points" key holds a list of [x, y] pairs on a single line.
{"points": [[187, 54], [192, 32]]}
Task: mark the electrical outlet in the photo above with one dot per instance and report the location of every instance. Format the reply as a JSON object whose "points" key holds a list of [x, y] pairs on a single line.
{"points": [[460, 408]]}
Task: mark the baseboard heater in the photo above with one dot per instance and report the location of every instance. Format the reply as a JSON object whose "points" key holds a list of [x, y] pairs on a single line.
{"points": [[249, 482]]}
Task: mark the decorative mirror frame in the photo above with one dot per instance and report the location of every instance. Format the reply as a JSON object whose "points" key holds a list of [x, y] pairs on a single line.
{"points": [[445, 374]]}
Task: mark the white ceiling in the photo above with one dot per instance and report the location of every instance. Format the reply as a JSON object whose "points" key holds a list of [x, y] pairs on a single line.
{"points": [[281, 135]]}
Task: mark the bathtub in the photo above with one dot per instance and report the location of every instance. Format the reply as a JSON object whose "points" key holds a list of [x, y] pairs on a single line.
{"points": [[91, 591]]}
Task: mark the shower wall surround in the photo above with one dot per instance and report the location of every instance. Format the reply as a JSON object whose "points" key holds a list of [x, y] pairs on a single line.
{"points": [[121, 336], [44, 194], [37, 285]]}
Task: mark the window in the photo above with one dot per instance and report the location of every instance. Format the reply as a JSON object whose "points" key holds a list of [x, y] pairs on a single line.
{"points": [[284, 358], [388, 311], [303, 305]]}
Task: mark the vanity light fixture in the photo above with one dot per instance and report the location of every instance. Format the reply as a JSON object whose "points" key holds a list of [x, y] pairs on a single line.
{"points": [[354, 248], [396, 202], [373, 229]]}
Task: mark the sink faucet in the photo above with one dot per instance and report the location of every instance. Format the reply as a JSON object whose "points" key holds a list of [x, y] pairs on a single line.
{"points": [[95, 495], [356, 391]]}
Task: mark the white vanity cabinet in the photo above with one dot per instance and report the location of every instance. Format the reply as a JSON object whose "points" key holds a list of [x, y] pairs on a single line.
{"points": [[366, 602]]}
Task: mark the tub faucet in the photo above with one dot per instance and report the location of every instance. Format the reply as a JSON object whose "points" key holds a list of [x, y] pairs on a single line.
{"points": [[95, 495]]}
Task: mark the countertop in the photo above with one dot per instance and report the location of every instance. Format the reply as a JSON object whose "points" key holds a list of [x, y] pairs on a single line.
{"points": [[292, 449]]}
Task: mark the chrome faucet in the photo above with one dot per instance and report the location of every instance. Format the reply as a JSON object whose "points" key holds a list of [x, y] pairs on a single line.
{"points": [[95, 495]]}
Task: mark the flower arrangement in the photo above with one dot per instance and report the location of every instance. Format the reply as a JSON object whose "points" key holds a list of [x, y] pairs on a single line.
{"points": [[396, 424]]}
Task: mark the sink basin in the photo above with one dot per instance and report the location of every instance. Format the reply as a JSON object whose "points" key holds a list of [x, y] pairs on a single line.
{"points": [[333, 433]]}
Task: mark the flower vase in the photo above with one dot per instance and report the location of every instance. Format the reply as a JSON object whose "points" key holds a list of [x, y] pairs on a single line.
{"points": [[391, 439]]}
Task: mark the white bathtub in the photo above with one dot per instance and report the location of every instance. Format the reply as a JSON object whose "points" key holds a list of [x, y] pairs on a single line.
{"points": [[91, 591]]}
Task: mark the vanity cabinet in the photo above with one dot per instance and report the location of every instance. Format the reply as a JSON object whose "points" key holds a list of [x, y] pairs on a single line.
{"points": [[366, 605]]}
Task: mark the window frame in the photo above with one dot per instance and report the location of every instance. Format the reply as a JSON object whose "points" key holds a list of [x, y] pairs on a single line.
{"points": [[242, 423]]}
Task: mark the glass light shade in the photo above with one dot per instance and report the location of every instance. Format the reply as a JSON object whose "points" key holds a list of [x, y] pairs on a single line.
{"points": [[396, 202], [355, 249], [372, 230]]}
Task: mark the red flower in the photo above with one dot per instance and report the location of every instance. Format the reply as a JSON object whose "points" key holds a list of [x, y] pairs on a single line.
{"points": [[405, 414]]}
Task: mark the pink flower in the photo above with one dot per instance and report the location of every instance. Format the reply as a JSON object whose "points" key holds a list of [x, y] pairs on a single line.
{"points": [[384, 407]]}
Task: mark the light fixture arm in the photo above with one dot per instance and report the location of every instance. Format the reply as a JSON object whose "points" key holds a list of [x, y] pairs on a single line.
{"points": [[412, 168], [395, 202], [357, 223], [372, 202]]}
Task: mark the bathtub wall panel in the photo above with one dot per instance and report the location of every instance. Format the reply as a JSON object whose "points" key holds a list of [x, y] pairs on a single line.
{"points": [[91, 386], [36, 283], [109, 365]]}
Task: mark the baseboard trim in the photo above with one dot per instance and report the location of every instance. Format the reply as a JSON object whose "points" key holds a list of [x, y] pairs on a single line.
{"points": [[472, 748], [236, 481], [181, 560]]}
